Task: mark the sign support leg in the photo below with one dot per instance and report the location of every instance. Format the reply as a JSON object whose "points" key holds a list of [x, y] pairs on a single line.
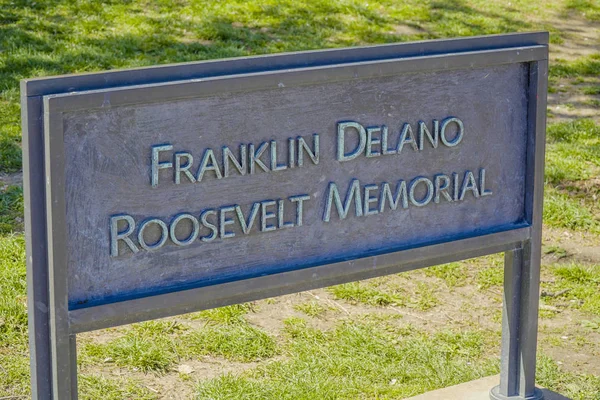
{"points": [[35, 233], [73, 367], [519, 326], [64, 367], [63, 344]]}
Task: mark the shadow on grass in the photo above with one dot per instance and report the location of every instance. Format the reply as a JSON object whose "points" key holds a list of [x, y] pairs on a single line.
{"points": [[589, 9], [456, 18]]}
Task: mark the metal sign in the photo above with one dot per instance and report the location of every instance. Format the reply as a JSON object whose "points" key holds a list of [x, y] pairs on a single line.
{"points": [[159, 191]]}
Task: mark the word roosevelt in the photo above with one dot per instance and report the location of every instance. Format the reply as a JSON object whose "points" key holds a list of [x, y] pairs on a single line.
{"points": [[270, 215]]}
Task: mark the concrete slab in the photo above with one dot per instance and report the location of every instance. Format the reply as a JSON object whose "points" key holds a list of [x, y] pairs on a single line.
{"points": [[475, 390]]}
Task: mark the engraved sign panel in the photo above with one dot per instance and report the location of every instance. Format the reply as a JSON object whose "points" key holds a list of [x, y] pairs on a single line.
{"points": [[164, 190], [233, 184]]}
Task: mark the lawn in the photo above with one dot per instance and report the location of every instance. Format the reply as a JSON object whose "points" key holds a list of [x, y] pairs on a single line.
{"points": [[390, 337]]}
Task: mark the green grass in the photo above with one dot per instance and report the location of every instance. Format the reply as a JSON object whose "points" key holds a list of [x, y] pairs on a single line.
{"points": [[240, 342], [14, 355], [564, 211], [14, 374], [425, 298], [580, 287], [225, 315], [94, 387], [227, 334], [573, 158], [13, 310], [490, 276], [11, 209], [579, 274], [358, 360], [593, 324], [158, 346], [490, 271], [311, 308], [360, 292], [567, 163], [595, 103], [590, 9], [558, 251], [573, 131], [453, 274], [150, 346], [381, 293], [591, 90], [576, 386], [584, 66], [10, 155], [10, 129]]}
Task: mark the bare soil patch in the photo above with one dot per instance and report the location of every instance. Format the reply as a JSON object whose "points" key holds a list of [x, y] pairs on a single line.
{"points": [[15, 178], [581, 38]]}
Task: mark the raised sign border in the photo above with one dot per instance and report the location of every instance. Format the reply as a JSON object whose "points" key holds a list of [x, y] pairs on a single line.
{"points": [[54, 327], [155, 306]]}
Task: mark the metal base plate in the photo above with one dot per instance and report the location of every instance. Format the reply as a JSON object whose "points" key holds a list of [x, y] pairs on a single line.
{"points": [[495, 395]]}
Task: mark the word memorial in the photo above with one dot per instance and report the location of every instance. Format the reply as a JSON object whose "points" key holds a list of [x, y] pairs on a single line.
{"points": [[165, 190]]}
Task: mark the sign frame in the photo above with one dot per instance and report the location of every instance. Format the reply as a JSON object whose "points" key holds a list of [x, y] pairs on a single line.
{"points": [[53, 327]]}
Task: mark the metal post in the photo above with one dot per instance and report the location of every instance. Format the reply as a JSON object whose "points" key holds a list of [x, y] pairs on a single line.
{"points": [[519, 327], [62, 341], [73, 369], [522, 266], [35, 233], [63, 348]]}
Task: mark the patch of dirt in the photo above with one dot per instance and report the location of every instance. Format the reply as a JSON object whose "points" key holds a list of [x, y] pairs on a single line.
{"points": [[15, 178], [101, 337], [569, 102], [406, 30], [588, 254], [581, 38], [189, 38], [588, 188], [579, 246], [179, 386], [567, 342], [181, 381], [574, 361], [272, 313]]}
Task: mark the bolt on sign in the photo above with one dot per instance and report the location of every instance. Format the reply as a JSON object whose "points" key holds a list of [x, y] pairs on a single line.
{"points": [[164, 190]]}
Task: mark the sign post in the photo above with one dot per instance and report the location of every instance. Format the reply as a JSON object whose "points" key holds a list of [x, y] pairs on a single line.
{"points": [[160, 191]]}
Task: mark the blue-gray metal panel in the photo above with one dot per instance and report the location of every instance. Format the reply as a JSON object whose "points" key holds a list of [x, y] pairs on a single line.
{"points": [[107, 173]]}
